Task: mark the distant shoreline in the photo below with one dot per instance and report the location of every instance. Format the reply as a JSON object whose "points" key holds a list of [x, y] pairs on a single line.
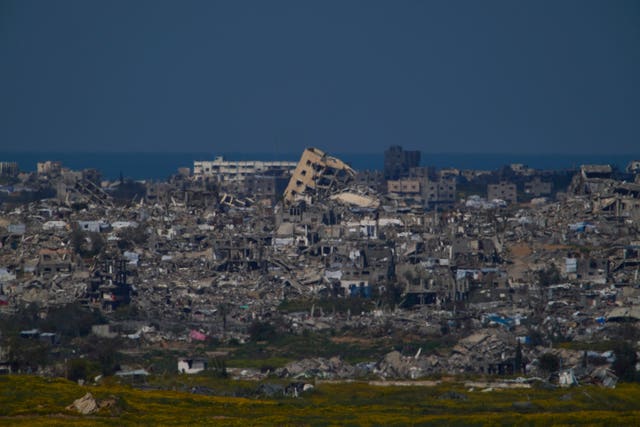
{"points": [[161, 165]]}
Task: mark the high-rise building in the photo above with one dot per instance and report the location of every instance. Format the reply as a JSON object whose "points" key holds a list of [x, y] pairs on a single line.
{"points": [[398, 162], [317, 172], [9, 169]]}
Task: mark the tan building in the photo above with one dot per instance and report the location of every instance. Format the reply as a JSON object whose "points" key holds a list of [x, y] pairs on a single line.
{"points": [[404, 186], [49, 168], [439, 192], [315, 173], [536, 187]]}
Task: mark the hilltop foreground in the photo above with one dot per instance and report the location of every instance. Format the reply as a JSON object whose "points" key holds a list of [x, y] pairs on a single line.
{"points": [[30, 400]]}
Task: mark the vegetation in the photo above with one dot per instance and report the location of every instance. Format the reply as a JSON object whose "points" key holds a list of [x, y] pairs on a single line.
{"points": [[81, 369], [328, 305], [625, 364], [70, 320], [71, 323], [352, 346], [549, 362], [262, 331], [206, 400]]}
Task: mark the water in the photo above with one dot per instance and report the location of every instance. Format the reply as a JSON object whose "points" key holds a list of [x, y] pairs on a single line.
{"points": [[159, 166]]}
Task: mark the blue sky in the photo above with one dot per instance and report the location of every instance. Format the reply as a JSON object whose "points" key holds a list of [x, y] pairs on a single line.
{"points": [[346, 76]]}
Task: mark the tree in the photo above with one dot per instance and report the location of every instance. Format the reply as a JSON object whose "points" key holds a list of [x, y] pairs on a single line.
{"points": [[77, 369], [549, 362], [625, 364], [103, 353], [518, 358], [71, 320], [262, 331], [26, 355]]}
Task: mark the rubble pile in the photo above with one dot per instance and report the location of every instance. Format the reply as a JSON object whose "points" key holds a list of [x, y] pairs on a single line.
{"points": [[87, 404], [333, 368], [204, 257]]}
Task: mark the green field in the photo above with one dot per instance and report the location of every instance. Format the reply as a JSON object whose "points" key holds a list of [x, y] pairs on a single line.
{"points": [[30, 400]]}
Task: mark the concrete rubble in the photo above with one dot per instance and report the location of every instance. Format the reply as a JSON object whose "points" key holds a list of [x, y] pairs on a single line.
{"points": [[87, 404], [333, 368], [503, 280]]}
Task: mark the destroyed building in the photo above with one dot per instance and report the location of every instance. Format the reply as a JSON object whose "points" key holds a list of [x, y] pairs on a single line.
{"points": [[439, 193], [9, 169], [266, 187], [404, 187], [109, 287], [49, 168], [591, 179], [317, 175], [537, 187], [373, 179], [205, 262], [398, 162]]}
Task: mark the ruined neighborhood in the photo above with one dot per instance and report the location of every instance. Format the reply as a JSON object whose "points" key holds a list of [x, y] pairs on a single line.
{"points": [[404, 273]]}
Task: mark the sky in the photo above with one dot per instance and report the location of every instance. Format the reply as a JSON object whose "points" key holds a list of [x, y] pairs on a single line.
{"points": [[352, 76]]}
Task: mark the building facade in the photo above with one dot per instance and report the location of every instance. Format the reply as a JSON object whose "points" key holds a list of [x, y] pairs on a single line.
{"points": [[439, 192], [9, 169], [317, 172], [504, 190], [398, 162], [229, 170]]}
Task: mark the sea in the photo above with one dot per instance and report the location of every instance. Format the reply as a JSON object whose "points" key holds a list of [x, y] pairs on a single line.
{"points": [[159, 166]]}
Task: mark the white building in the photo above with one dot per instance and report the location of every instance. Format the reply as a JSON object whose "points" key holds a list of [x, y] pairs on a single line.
{"points": [[191, 366], [227, 170], [93, 226], [54, 225], [118, 225]]}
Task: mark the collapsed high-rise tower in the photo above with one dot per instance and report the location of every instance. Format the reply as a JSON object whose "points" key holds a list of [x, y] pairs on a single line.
{"points": [[317, 175]]}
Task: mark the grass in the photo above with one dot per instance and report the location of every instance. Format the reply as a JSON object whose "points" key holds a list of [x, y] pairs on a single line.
{"points": [[599, 346], [29, 400], [294, 347], [285, 348]]}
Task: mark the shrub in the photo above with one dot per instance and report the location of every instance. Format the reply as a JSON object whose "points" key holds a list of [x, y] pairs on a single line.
{"points": [[625, 364], [262, 331], [77, 369], [549, 362], [71, 320]]}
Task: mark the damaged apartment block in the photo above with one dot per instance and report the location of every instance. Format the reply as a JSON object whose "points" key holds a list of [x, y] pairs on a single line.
{"points": [[109, 288], [317, 175]]}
